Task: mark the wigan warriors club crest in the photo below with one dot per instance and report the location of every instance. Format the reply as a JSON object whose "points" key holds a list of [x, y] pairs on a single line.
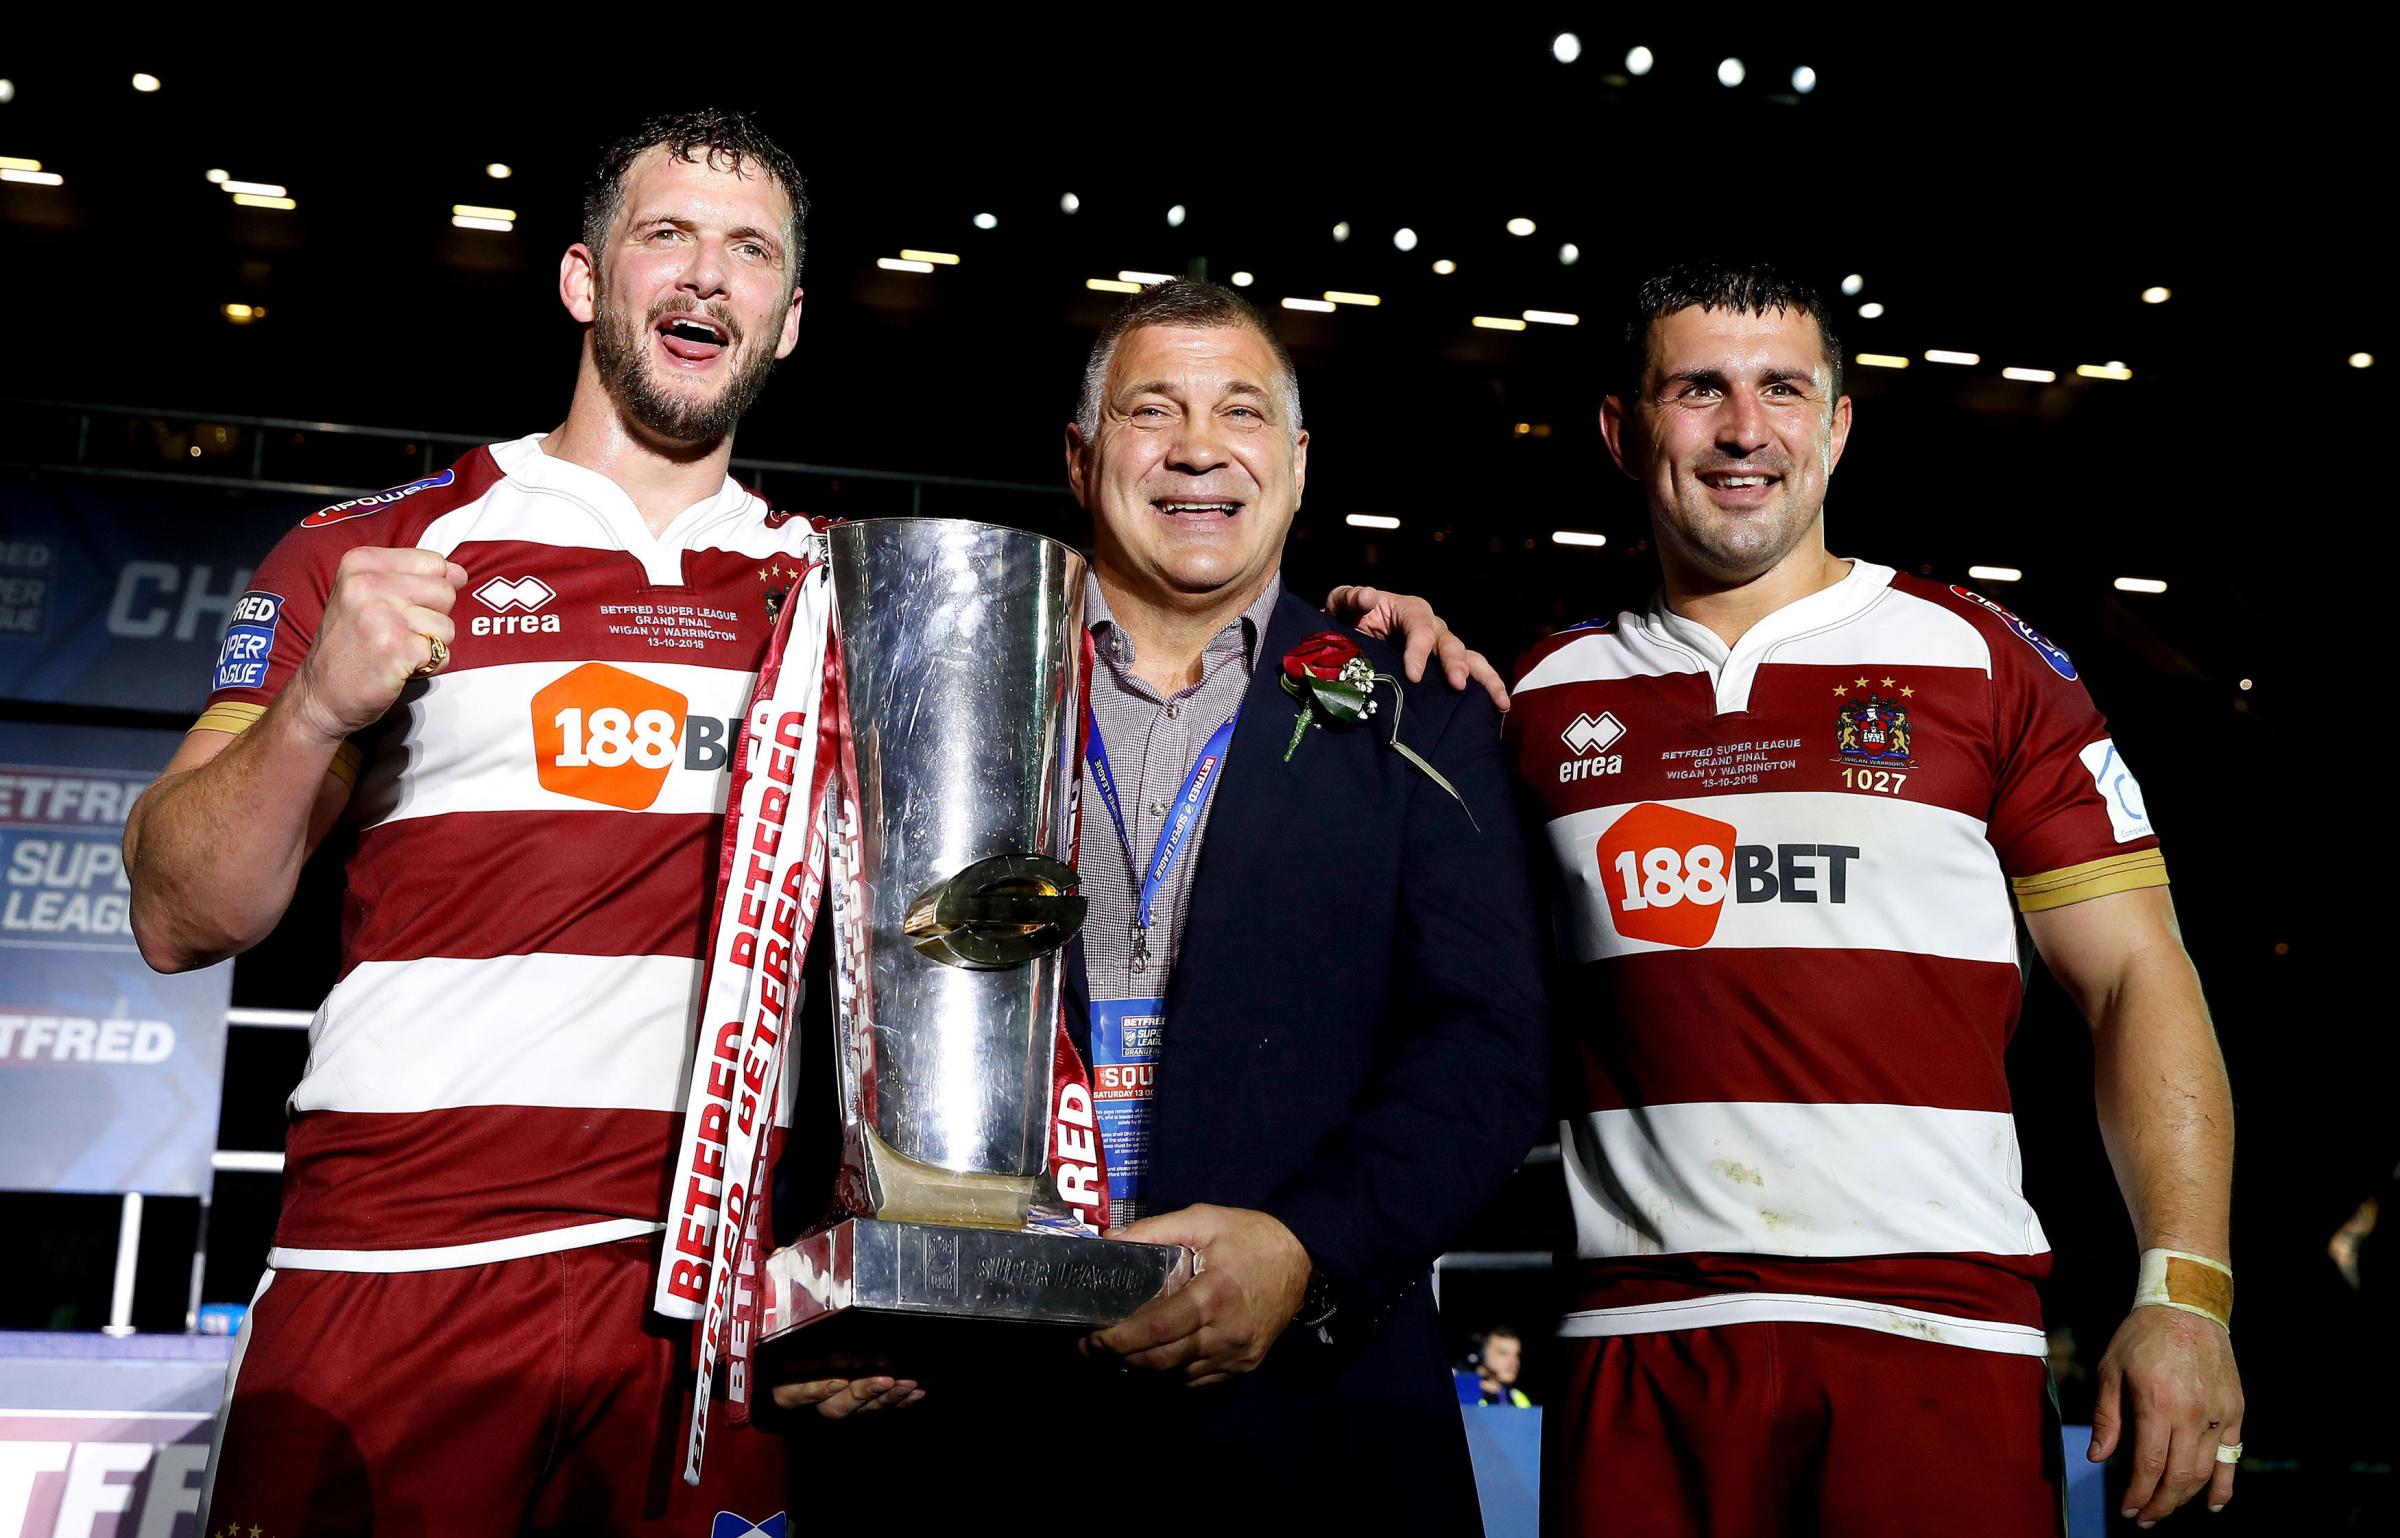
{"points": [[1871, 725], [777, 582]]}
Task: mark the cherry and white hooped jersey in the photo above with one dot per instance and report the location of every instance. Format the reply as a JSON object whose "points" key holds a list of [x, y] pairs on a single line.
{"points": [[499, 1069], [1789, 875]]}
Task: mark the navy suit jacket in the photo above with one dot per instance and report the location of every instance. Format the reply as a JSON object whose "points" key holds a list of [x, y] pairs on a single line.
{"points": [[1356, 1042]]}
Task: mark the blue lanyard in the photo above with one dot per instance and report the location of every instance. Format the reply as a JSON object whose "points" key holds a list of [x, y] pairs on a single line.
{"points": [[1176, 836]]}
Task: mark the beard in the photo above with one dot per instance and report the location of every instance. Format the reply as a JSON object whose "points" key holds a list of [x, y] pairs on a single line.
{"points": [[620, 352]]}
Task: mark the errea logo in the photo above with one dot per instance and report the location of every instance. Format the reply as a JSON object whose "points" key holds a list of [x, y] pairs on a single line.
{"points": [[527, 593], [1591, 737], [503, 594]]}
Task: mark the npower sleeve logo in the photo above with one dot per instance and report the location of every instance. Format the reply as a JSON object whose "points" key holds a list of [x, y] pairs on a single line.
{"points": [[359, 507]]}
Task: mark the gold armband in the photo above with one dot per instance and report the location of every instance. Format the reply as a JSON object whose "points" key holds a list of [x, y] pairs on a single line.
{"points": [[238, 716]]}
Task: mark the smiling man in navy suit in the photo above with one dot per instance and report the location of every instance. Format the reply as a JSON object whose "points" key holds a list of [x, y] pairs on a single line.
{"points": [[1310, 989], [1311, 974]]}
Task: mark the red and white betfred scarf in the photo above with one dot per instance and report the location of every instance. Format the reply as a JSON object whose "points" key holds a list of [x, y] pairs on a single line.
{"points": [[792, 793]]}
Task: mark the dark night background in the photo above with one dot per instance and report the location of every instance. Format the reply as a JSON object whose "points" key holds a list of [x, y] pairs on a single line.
{"points": [[2001, 193]]}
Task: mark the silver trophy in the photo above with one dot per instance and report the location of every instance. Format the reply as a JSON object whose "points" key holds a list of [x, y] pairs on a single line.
{"points": [[962, 650]]}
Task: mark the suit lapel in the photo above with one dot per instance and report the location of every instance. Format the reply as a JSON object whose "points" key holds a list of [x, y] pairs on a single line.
{"points": [[1077, 983], [1260, 792]]}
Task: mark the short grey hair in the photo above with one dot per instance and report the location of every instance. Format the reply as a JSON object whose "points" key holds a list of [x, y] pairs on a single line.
{"points": [[1182, 302]]}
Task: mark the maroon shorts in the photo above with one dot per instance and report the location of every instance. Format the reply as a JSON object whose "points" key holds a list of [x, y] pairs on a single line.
{"points": [[527, 1396], [1752, 1430]]}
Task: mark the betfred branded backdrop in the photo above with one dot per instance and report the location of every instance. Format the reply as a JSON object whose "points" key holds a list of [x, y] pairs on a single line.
{"points": [[106, 1437], [124, 596], [110, 1074], [101, 1474]]}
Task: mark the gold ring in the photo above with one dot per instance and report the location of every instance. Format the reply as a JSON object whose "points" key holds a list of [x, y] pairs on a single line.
{"points": [[2229, 1452], [434, 663]]}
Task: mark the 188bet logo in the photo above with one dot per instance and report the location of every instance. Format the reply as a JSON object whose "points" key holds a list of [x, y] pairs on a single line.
{"points": [[1668, 873], [1665, 873], [603, 734]]}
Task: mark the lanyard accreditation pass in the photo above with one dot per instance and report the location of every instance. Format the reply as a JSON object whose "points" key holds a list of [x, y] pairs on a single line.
{"points": [[1176, 836], [1128, 1034]]}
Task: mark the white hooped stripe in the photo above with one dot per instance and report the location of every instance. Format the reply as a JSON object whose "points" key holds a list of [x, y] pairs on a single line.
{"points": [[1899, 625], [517, 514], [1923, 879], [446, 755], [547, 501], [1754, 1177], [1607, 656], [1861, 620], [449, 1257], [587, 1032], [1718, 1310]]}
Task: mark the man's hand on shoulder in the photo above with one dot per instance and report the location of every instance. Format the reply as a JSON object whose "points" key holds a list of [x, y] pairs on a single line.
{"points": [[1422, 634], [2169, 1379], [1251, 1278]]}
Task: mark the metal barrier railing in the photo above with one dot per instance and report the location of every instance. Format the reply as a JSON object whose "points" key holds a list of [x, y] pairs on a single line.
{"points": [[314, 458]]}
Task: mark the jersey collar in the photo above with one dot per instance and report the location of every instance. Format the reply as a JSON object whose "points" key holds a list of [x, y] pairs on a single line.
{"points": [[1734, 669], [661, 554]]}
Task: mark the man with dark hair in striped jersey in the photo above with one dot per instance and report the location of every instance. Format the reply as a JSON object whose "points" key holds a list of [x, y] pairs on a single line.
{"points": [[1795, 806]]}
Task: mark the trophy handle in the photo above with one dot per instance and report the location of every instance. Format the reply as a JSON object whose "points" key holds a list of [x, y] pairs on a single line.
{"points": [[906, 1190]]}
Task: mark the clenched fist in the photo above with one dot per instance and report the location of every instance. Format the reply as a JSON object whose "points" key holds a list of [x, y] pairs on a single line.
{"points": [[386, 609]]}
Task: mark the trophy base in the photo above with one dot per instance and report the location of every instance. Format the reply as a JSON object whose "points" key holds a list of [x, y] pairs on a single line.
{"points": [[926, 1299]]}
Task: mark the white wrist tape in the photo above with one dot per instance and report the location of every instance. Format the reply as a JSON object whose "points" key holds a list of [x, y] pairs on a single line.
{"points": [[2193, 1283]]}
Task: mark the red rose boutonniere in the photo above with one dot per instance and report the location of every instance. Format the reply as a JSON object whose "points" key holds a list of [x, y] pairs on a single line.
{"points": [[1335, 685], [1330, 677]]}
